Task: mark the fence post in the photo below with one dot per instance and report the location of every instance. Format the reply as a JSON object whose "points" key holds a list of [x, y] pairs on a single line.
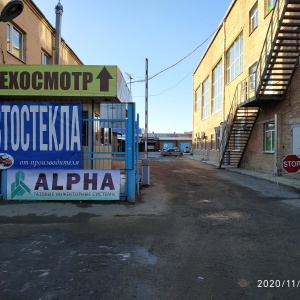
{"points": [[129, 153]]}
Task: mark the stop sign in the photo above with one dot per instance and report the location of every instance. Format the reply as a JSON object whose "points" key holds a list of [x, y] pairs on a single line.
{"points": [[291, 163]]}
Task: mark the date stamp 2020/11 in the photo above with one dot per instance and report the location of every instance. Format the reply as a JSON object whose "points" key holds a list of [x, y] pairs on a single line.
{"points": [[278, 283]]}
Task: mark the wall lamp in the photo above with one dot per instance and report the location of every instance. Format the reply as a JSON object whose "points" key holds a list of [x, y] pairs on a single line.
{"points": [[11, 10]]}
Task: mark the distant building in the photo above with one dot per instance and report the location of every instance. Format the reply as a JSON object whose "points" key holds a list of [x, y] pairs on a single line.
{"points": [[158, 141], [246, 109]]}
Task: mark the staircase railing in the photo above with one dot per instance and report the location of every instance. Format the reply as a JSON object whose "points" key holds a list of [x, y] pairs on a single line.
{"points": [[250, 86], [243, 91], [265, 58]]}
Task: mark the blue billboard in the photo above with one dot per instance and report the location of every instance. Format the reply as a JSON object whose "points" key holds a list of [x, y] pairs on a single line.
{"points": [[40, 135]]}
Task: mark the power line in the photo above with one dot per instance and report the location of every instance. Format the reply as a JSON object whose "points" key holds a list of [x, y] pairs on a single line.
{"points": [[156, 95], [172, 86], [143, 80]]}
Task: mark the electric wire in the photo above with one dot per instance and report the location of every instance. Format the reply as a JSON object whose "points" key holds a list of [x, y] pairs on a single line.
{"points": [[156, 95], [155, 75]]}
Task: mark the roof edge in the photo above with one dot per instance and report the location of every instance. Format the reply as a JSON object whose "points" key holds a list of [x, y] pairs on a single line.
{"points": [[215, 34]]}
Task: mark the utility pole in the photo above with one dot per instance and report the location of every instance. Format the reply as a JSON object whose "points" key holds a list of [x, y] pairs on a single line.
{"points": [[146, 161], [146, 110]]}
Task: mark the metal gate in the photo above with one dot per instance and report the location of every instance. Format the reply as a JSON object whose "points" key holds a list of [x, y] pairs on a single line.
{"points": [[110, 142]]}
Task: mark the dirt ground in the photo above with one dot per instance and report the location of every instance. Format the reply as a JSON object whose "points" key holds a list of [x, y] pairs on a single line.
{"points": [[197, 233]]}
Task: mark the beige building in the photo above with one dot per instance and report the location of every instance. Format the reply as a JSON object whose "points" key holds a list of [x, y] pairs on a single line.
{"points": [[246, 94], [30, 39]]}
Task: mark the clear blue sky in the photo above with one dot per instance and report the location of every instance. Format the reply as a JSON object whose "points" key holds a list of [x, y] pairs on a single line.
{"points": [[126, 32]]}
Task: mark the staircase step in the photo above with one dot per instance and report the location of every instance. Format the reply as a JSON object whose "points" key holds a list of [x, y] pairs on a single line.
{"points": [[276, 74], [290, 24], [292, 9], [280, 68], [273, 90], [269, 97], [288, 37], [286, 50], [291, 17], [296, 31], [241, 115], [294, 57], [284, 62], [288, 44], [274, 84]]}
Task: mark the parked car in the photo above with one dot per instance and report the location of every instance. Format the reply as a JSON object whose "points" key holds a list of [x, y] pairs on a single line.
{"points": [[5, 160], [172, 152], [186, 150]]}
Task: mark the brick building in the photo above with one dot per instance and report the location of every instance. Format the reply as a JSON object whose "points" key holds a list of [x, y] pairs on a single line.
{"points": [[246, 93]]}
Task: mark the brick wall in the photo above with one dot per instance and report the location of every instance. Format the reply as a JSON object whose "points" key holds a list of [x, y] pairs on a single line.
{"points": [[288, 114], [288, 110]]}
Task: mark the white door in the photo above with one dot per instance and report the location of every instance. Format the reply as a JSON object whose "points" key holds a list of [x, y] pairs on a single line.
{"points": [[296, 140]]}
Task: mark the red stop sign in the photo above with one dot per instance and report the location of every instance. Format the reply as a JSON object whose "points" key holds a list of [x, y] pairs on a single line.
{"points": [[291, 163]]}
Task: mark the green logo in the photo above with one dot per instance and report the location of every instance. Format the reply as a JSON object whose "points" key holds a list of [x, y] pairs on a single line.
{"points": [[19, 188]]}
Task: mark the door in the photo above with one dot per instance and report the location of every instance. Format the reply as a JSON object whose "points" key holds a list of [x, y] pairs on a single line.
{"points": [[296, 140]]}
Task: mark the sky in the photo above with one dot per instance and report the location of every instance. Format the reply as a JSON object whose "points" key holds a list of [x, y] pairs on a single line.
{"points": [[127, 32]]}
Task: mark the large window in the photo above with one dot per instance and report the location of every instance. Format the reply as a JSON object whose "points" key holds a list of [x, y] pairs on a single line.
{"points": [[269, 4], [252, 74], [217, 86], [234, 59], [253, 17], [46, 58], [197, 99], [270, 137], [205, 98], [15, 42]]}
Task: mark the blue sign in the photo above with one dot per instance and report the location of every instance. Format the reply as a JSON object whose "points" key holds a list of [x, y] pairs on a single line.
{"points": [[41, 135]]}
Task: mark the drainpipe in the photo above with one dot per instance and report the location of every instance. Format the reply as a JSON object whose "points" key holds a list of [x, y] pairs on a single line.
{"points": [[59, 12], [276, 145], [222, 124], [224, 68]]}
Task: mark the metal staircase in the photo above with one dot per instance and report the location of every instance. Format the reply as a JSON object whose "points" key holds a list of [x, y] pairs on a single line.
{"points": [[277, 63]]}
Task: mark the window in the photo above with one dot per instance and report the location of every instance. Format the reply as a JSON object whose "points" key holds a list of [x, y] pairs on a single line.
{"points": [[252, 73], [205, 143], [198, 145], [205, 99], [253, 17], [217, 87], [270, 137], [217, 134], [15, 42], [234, 59], [212, 141], [197, 99], [46, 59], [269, 5]]}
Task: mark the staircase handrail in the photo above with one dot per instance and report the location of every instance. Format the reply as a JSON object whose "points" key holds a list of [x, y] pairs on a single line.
{"points": [[248, 82], [267, 45], [242, 92]]}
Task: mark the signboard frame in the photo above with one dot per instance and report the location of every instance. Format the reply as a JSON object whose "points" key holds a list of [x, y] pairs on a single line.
{"points": [[49, 185]]}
